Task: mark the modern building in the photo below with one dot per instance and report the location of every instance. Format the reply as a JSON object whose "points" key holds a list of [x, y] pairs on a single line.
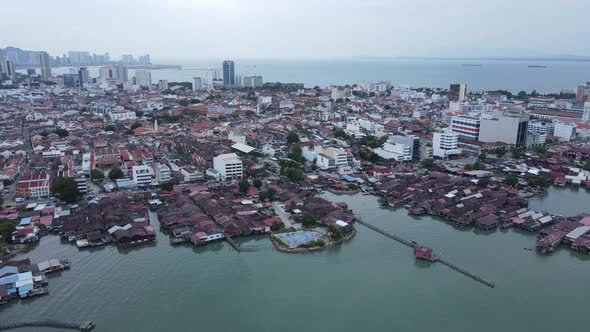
{"points": [[252, 81], [508, 127], [197, 83], [44, 63], [445, 144], [144, 59], [229, 166], [79, 58], [84, 75], [107, 73], [8, 69], [586, 114], [466, 127], [583, 92], [143, 78], [163, 84], [229, 76], [142, 175], [72, 80], [162, 173], [457, 92], [410, 141], [566, 131], [122, 73]]}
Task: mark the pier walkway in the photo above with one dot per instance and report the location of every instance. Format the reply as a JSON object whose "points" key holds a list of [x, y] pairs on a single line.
{"points": [[84, 326], [437, 259]]}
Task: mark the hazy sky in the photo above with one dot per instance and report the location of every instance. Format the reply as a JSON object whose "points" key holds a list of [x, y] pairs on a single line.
{"points": [[181, 29]]}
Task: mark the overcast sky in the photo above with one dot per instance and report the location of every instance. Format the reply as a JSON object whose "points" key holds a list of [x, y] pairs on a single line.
{"points": [[184, 29]]}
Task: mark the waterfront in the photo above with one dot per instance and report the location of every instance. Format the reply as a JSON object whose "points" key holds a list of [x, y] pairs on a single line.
{"points": [[567, 201], [369, 283], [492, 75]]}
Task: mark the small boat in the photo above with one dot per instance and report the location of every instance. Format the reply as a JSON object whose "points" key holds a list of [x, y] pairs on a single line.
{"points": [[537, 66], [529, 249], [471, 65]]}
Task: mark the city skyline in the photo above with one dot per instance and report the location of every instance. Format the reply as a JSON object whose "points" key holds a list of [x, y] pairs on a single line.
{"points": [[281, 29]]}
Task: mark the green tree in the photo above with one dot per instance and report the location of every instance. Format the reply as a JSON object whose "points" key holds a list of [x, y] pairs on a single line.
{"points": [[294, 174], [511, 179], [96, 174], [257, 183], [66, 188], [296, 154], [482, 156], [500, 152], [271, 192], [483, 182], [521, 95], [116, 173], [62, 132], [110, 128], [168, 186], [293, 137], [139, 114], [541, 150], [428, 163], [277, 226], [135, 125], [244, 185], [335, 232], [250, 113], [586, 166], [183, 102], [263, 195], [308, 221], [7, 227]]}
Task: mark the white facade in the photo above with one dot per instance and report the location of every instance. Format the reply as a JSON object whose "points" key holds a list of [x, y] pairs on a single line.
{"points": [[394, 151], [338, 93], [229, 166], [197, 83], [142, 175], [122, 115], [466, 127], [445, 144], [163, 173], [586, 115], [143, 78], [163, 84], [565, 131]]}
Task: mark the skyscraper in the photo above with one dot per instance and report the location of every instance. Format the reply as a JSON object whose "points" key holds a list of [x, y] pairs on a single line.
{"points": [[9, 69], [197, 84], [144, 59], [122, 74], [84, 76], [229, 76], [143, 78], [45, 65], [457, 92]]}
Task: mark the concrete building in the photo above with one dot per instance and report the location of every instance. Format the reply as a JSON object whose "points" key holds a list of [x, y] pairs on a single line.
{"points": [[411, 141], [144, 59], [566, 131], [162, 173], [583, 92], [84, 75], [510, 127], [143, 78], [466, 127], [229, 166], [197, 84], [107, 73], [122, 73], [338, 93], [445, 144], [142, 175], [72, 80], [163, 84], [252, 81], [586, 114], [394, 151], [45, 65], [122, 115], [457, 92], [229, 75]]}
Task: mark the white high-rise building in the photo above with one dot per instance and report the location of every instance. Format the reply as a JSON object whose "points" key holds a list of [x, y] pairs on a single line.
{"points": [[45, 65], [566, 131], [142, 175], [586, 115], [229, 166], [445, 144], [143, 78], [122, 74], [457, 92], [163, 84], [163, 173], [197, 83]]}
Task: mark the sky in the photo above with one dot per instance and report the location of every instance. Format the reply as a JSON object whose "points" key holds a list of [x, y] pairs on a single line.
{"points": [[293, 29]]}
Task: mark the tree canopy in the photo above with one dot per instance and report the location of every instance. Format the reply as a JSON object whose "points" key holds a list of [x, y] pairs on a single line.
{"points": [[66, 188], [6, 229], [116, 173], [293, 137]]}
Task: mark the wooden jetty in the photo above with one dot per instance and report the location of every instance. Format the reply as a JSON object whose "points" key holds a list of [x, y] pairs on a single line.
{"points": [[84, 326], [234, 244], [435, 259]]}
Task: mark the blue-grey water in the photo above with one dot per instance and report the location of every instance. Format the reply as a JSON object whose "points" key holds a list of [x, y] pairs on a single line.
{"points": [[492, 75], [368, 284]]}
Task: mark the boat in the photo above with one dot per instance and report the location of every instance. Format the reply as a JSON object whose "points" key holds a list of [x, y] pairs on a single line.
{"points": [[471, 65], [537, 66]]}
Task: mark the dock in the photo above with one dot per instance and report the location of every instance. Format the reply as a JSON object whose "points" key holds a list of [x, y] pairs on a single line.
{"points": [[84, 326], [234, 244], [436, 259]]}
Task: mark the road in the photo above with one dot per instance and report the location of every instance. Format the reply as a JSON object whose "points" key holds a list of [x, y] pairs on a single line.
{"points": [[289, 223]]}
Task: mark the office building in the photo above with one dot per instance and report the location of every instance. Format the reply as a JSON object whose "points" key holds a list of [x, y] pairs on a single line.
{"points": [[229, 76], [466, 127], [586, 114], [457, 92], [197, 83], [445, 144], [127, 59], [163, 173], [163, 84], [229, 166], [79, 58], [122, 73], [9, 69], [107, 73], [583, 92], [44, 63], [72, 80], [252, 81], [143, 78], [411, 142], [84, 75], [142, 175], [144, 60], [566, 131], [508, 127]]}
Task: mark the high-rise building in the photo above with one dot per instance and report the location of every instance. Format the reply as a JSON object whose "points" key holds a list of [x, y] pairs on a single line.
{"points": [[582, 92], [586, 115], [9, 69], [197, 83], [45, 65], [72, 80], [84, 75], [122, 74], [229, 76], [163, 84], [143, 78], [229, 166], [410, 141], [79, 58], [457, 92], [127, 59], [466, 127], [445, 144], [510, 127], [252, 81], [108, 73], [31, 72], [144, 59]]}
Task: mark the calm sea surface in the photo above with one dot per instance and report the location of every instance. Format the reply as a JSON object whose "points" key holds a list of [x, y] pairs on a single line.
{"points": [[368, 284], [491, 75]]}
